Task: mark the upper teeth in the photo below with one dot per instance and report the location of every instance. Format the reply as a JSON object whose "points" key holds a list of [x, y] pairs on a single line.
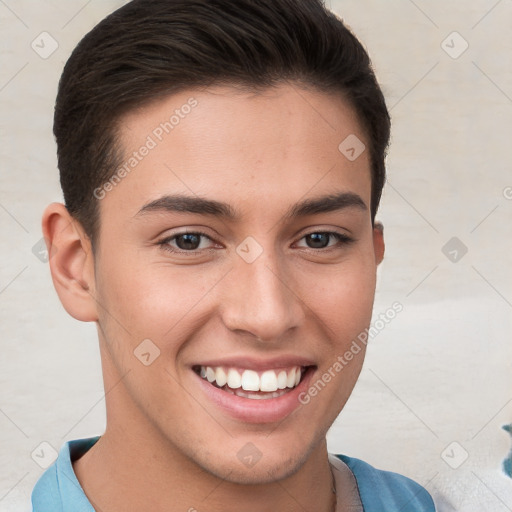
{"points": [[249, 380]]}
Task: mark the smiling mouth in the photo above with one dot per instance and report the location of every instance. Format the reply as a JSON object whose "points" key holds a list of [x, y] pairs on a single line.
{"points": [[251, 384]]}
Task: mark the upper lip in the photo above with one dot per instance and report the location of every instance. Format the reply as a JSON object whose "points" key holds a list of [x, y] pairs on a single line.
{"points": [[257, 364]]}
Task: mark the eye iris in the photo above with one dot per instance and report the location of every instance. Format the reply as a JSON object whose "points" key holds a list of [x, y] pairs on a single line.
{"points": [[192, 241], [318, 239]]}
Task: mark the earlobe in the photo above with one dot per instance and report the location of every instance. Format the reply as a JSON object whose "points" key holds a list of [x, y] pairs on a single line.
{"points": [[378, 242], [71, 262]]}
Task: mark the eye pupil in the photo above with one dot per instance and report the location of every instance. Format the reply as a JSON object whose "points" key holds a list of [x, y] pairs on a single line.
{"points": [[319, 239], [192, 241]]}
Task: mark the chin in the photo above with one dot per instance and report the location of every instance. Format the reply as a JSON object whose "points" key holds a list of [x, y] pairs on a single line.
{"points": [[261, 473], [270, 463]]}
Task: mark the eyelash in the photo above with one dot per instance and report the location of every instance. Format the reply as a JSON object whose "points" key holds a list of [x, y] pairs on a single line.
{"points": [[164, 244]]}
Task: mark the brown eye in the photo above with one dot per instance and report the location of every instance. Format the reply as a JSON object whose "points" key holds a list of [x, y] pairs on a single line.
{"points": [[321, 239], [188, 242], [318, 240]]}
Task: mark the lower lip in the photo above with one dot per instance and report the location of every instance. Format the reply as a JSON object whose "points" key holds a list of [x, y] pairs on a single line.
{"points": [[268, 410]]}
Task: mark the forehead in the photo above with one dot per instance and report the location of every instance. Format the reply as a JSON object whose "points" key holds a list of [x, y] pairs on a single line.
{"points": [[287, 107], [275, 145]]}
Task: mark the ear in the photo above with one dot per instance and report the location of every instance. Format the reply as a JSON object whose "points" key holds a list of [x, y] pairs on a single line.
{"points": [[378, 242], [71, 262]]}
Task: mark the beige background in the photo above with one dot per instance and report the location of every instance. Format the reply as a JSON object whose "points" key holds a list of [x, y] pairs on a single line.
{"points": [[437, 383]]}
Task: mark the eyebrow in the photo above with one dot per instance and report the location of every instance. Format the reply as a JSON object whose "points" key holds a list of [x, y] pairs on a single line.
{"points": [[179, 203]]}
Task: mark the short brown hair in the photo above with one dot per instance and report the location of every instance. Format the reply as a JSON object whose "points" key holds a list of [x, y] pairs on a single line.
{"points": [[149, 48]]}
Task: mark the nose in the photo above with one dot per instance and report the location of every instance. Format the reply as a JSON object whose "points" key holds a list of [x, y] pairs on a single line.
{"points": [[261, 299]]}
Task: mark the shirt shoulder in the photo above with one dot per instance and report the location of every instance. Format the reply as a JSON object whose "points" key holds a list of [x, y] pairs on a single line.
{"points": [[45, 494], [57, 489], [386, 491]]}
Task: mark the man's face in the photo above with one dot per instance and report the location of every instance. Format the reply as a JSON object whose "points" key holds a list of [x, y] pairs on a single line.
{"points": [[258, 298]]}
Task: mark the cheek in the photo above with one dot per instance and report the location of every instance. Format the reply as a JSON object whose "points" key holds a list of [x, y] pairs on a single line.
{"points": [[342, 297], [152, 300]]}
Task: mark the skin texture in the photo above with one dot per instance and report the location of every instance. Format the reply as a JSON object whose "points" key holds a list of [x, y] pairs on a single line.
{"points": [[167, 446]]}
